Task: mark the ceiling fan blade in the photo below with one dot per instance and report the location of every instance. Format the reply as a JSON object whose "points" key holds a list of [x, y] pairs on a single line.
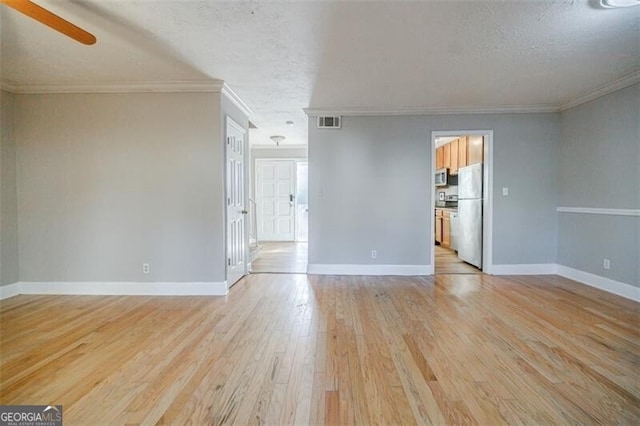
{"points": [[51, 20]]}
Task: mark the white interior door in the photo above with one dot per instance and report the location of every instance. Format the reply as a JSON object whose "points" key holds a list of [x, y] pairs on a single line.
{"points": [[236, 212], [275, 189]]}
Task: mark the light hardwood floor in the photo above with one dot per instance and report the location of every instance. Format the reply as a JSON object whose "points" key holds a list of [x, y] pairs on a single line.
{"points": [[283, 257], [283, 349], [447, 262]]}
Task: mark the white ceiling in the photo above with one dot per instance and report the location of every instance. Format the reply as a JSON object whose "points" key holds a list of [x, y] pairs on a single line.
{"points": [[281, 57]]}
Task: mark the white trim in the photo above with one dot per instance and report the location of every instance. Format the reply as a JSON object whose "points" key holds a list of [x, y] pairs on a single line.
{"points": [[590, 210], [126, 288], [525, 269], [603, 90], [361, 112], [283, 145], [235, 99], [598, 92], [9, 290], [215, 86], [487, 193], [611, 286], [344, 269]]}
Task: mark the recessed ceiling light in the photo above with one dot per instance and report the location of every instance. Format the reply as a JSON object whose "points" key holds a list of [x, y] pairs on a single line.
{"points": [[610, 4], [290, 123]]}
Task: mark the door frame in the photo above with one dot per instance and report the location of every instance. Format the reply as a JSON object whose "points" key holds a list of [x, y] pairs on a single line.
{"points": [[487, 195], [228, 121], [295, 160]]}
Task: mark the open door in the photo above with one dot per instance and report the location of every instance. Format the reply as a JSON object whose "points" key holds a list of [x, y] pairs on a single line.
{"points": [[236, 211]]}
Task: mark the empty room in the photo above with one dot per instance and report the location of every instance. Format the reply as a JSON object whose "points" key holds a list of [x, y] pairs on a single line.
{"points": [[320, 212]]}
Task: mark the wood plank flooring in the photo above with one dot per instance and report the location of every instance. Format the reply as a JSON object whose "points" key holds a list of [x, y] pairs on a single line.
{"points": [[283, 257], [297, 349], [447, 262]]}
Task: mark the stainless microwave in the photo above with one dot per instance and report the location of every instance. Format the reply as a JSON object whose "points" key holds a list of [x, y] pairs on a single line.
{"points": [[442, 177]]}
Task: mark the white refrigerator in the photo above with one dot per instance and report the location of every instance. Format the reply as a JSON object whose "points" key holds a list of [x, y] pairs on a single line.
{"points": [[469, 239]]}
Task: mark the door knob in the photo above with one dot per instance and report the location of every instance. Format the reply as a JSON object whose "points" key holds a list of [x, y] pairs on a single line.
{"points": [[244, 212]]}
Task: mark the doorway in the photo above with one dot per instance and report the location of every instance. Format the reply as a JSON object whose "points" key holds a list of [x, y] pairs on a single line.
{"points": [[461, 206], [282, 211]]}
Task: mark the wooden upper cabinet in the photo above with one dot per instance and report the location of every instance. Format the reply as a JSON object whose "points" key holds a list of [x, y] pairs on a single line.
{"points": [[439, 158], [462, 152], [454, 157], [475, 150], [446, 156]]}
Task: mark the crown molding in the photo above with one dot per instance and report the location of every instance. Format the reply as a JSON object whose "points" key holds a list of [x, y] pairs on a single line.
{"points": [[235, 99], [517, 109], [603, 90], [212, 86], [282, 146]]}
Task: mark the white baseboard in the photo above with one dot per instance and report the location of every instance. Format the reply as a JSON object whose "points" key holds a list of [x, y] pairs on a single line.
{"points": [[611, 286], [9, 290], [524, 269], [342, 269], [125, 288]]}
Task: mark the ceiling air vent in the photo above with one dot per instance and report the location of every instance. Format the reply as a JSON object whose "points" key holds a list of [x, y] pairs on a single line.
{"points": [[329, 122]]}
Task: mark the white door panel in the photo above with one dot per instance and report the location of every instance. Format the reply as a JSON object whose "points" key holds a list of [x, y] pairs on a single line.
{"points": [[236, 244], [275, 184]]}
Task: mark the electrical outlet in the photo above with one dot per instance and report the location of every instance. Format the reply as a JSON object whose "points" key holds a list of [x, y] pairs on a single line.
{"points": [[374, 254], [145, 268], [505, 191], [606, 263]]}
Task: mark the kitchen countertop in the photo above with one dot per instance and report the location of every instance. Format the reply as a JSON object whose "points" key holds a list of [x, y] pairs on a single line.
{"points": [[447, 208]]}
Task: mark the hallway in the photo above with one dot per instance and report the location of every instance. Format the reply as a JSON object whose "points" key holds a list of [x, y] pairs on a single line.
{"points": [[281, 257]]}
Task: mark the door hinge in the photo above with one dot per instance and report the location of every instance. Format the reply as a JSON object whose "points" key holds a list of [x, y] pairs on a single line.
{"points": [[229, 261]]}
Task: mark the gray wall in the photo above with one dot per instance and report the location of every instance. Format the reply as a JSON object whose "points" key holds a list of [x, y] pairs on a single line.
{"points": [[370, 188], [107, 182], [599, 157], [8, 197]]}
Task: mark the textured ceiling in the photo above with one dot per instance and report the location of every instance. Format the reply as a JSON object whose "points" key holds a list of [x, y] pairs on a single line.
{"points": [[281, 57]]}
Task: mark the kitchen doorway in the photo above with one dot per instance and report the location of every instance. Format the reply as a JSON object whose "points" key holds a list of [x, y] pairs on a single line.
{"points": [[461, 202]]}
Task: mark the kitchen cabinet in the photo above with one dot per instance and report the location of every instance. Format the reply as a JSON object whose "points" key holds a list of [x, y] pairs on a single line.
{"points": [[443, 227], [462, 152], [475, 150], [439, 158], [446, 156], [446, 230], [454, 157]]}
